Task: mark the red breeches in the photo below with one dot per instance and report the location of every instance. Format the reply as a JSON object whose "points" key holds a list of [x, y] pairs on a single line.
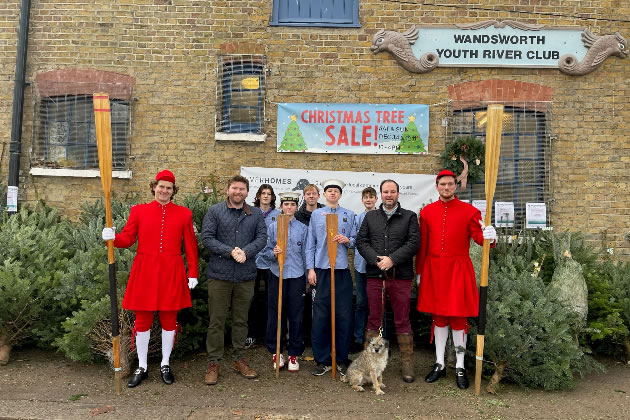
{"points": [[456, 322], [144, 320]]}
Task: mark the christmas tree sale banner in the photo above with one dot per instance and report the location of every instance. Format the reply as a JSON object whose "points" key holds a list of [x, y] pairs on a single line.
{"points": [[353, 128]]}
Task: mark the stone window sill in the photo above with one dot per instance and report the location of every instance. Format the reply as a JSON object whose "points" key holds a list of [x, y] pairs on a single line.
{"points": [[240, 137], [77, 173]]}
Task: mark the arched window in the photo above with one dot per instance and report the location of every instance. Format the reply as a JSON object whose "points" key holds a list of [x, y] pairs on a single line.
{"points": [[64, 134], [524, 174]]}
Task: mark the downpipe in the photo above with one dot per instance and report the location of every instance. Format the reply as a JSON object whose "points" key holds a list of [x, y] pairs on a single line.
{"points": [[15, 146]]}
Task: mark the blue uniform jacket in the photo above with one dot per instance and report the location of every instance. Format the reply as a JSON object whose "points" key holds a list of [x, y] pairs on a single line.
{"points": [[262, 262], [316, 248], [295, 259]]}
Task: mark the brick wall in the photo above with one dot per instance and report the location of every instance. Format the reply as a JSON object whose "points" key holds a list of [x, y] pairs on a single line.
{"points": [[170, 47]]}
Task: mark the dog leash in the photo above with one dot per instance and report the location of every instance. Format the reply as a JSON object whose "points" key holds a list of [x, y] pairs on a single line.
{"points": [[385, 277]]}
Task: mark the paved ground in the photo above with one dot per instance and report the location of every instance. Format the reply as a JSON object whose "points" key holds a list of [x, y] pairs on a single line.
{"points": [[43, 385]]}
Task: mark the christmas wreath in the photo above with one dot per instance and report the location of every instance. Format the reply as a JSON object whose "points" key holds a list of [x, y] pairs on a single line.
{"points": [[472, 150]]}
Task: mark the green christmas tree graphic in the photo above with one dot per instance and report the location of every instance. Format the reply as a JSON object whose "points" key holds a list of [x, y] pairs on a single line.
{"points": [[293, 140], [411, 141]]}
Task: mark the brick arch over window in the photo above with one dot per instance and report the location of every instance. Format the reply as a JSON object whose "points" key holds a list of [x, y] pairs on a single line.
{"points": [[84, 82], [482, 92]]}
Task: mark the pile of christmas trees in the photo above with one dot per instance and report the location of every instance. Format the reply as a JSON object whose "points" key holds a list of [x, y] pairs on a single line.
{"points": [[551, 299]]}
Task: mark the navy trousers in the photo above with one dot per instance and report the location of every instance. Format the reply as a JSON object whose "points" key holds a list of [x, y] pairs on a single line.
{"points": [[292, 310], [321, 329]]}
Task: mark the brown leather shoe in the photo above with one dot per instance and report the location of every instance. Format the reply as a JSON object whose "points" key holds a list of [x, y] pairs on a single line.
{"points": [[243, 368], [212, 374]]}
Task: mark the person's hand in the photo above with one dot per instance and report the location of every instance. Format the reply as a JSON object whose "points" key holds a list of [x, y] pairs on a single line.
{"points": [[418, 280], [341, 239], [312, 277], [109, 234], [192, 282], [277, 251], [384, 263], [489, 232], [239, 255]]}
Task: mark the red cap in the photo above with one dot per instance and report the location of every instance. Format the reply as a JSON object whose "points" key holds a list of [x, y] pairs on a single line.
{"points": [[165, 175], [445, 172]]}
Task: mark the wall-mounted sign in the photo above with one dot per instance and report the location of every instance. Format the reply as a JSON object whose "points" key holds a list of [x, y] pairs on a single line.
{"points": [[353, 128], [574, 51], [416, 190], [536, 215], [251, 83]]}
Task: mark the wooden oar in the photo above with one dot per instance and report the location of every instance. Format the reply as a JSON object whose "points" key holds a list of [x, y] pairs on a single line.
{"points": [[331, 229], [282, 240], [103, 125], [493, 149]]}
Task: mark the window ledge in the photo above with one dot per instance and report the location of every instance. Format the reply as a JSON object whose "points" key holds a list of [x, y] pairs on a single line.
{"points": [[240, 137], [77, 173]]}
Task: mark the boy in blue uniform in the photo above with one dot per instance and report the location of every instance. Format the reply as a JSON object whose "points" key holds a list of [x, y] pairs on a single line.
{"points": [[292, 284], [266, 201], [318, 267], [369, 199]]}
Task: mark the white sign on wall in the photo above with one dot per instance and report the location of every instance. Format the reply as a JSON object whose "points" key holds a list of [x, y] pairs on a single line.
{"points": [[481, 206], [496, 45], [536, 215], [503, 214], [416, 190]]}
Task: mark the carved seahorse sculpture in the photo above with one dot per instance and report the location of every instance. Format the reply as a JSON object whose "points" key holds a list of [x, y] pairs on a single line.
{"points": [[399, 44], [599, 49]]}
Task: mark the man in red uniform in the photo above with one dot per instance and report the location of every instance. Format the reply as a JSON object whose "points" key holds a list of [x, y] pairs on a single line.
{"points": [[158, 280], [447, 288]]}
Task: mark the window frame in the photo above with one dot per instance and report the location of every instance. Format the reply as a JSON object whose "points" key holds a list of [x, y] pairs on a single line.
{"points": [[250, 66], [121, 137], [278, 17], [541, 160]]}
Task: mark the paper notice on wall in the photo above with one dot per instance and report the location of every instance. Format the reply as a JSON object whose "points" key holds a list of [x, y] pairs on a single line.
{"points": [[481, 206], [12, 199], [535, 215], [503, 214]]}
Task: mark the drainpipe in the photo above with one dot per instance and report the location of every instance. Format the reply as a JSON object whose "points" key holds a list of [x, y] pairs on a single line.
{"points": [[18, 107]]}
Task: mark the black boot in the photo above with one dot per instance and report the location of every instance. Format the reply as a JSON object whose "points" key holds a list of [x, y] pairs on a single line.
{"points": [[167, 374], [460, 378], [137, 377], [436, 373]]}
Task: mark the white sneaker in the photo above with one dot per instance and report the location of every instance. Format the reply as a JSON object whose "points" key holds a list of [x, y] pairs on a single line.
{"points": [[294, 366], [281, 361]]}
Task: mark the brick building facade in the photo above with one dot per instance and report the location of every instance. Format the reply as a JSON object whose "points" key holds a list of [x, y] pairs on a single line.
{"points": [[165, 54]]}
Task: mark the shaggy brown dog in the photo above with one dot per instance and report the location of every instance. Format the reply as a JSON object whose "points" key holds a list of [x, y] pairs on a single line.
{"points": [[369, 366]]}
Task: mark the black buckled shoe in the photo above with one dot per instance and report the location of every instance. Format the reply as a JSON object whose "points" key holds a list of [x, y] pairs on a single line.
{"points": [[460, 378], [436, 373], [167, 374], [137, 377]]}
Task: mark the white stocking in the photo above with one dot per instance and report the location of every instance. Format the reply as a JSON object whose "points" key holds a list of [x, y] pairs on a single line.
{"points": [[459, 341], [142, 347], [440, 335], [168, 338]]}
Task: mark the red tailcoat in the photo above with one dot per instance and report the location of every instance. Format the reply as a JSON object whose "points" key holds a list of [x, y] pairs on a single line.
{"points": [[447, 284], [158, 280]]}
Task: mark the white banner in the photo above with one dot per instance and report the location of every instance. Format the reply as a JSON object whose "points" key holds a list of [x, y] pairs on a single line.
{"points": [[416, 190]]}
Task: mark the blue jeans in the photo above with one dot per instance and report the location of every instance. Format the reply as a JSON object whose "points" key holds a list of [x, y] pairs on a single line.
{"points": [[321, 329], [361, 306]]}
